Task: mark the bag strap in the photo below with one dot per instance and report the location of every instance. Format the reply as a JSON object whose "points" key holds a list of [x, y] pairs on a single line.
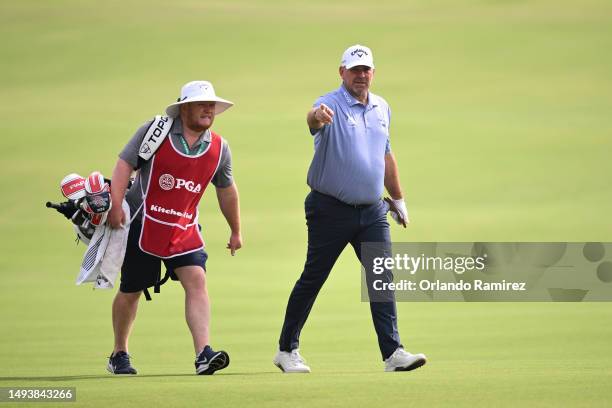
{"points": [[156, 287], [154, 137]]}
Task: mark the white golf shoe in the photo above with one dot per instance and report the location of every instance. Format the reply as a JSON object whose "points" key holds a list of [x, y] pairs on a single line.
{"points": [[401, 360], [290, 362]]}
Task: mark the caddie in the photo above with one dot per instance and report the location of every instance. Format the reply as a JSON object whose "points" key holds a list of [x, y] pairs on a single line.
{"points": [[175, 157], [352, 164]]}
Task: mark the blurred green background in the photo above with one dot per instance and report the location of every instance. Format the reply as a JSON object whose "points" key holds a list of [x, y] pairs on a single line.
{"points": [[501, 127]]}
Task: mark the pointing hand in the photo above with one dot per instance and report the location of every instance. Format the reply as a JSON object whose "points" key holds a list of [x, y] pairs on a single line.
{"points": [[324, 114]]}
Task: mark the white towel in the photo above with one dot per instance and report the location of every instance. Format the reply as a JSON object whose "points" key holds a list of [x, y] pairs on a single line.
{"points": [[104, 256]]}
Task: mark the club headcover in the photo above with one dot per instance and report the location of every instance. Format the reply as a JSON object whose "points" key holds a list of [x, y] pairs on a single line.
{"points": [[94, 218], [98, 219], [97, 193], [94, 183], [73, 186]]}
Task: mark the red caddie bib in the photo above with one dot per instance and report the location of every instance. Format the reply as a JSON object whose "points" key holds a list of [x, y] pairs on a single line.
{"points": [[170, 210]]}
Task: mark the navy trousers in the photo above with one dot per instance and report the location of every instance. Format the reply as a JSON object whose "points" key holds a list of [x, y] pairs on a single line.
{"points": [[332, 225]]}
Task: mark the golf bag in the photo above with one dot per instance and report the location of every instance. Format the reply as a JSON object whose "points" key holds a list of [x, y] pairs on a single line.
{"points": [[87, 206]]}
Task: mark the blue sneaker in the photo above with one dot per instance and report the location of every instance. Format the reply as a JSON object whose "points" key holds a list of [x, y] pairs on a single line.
{"points": [[209, 361], [120, 364]]}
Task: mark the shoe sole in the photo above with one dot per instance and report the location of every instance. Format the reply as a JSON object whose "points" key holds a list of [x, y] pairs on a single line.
{"points": [[218, 362], [276, 363], [111, 370], [413, 366]]}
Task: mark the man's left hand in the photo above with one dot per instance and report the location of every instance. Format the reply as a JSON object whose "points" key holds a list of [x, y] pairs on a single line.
{"points": [[398, 211], [235, 243]]}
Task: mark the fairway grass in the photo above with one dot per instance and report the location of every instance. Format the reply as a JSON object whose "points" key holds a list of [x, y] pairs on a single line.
{"points": [[502, 130]]}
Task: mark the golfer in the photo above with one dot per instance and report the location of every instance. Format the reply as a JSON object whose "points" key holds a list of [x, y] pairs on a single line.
{"points": [[351, 164], [164, 198]]}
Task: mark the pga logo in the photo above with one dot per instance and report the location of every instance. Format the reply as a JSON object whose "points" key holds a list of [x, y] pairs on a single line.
{"points": [[168, 182]]}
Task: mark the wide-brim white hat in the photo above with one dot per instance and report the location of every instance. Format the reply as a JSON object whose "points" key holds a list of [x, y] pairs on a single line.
{"points": [[198, 91]]}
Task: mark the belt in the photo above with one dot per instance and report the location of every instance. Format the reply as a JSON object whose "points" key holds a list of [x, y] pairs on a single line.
{"points": [[327, 196]]}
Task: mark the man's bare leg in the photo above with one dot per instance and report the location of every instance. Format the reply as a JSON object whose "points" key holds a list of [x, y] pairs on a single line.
{"points": [[197, 304], [125, 307]]}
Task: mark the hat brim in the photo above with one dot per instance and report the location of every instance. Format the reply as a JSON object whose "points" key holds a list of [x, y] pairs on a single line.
{"points": [[358, 63], [221, 105]]}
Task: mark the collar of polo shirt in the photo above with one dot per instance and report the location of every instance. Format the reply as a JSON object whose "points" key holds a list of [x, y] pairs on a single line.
{"points": [[350, 99]]}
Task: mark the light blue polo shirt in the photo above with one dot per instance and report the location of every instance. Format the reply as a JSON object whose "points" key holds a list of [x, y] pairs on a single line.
{"points": [[349, 157]]}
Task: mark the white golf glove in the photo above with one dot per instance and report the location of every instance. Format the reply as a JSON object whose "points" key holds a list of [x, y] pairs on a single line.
{"points": [[401, 207]]}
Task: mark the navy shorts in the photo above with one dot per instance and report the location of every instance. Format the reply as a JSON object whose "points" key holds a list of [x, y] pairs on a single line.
{"points": [[141, 270]]}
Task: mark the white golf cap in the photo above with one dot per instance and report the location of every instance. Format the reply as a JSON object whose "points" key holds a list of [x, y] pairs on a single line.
{"points": [[198, 91], [357, 55]]}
